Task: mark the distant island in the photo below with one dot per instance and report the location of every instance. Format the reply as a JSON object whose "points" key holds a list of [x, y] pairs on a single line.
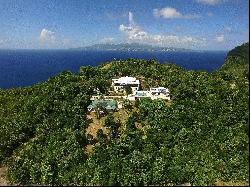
{"points": [[128, 47]]}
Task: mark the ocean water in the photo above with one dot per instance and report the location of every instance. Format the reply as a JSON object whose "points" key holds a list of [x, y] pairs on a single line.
{"points": [[19, 68]]}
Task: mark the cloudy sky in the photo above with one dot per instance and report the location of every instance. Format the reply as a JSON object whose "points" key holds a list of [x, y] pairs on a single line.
{"points": [[194, 24]]}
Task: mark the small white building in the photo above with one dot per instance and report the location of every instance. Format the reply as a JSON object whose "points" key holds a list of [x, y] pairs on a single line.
{"points": [[138, 95], [119, 84], [159, 93], [154, 93], [159, 90]]}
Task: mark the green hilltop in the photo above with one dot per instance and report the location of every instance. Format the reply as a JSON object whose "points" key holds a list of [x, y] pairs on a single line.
{"points": [[241, 51], [201, 137], [237, 63]]}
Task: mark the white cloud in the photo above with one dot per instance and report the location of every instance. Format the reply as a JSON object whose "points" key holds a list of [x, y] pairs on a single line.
{"points": [[2, 41], [227, 29], [171, 13], [107, 40], [167, 12], [47, 36], [208, 2], [130, 18], [50, 39], [210, 14], [135, 34], [219, 38]]}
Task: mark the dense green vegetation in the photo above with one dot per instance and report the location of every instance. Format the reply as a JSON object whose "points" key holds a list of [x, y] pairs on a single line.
{"points": [[240, 51], [201, 138]]}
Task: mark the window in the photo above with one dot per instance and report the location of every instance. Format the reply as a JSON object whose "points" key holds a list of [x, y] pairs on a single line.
{"points": [[133, 85]]}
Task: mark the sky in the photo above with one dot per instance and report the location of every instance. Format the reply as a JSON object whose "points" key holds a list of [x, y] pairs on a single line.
{"points": [[62, 24]]}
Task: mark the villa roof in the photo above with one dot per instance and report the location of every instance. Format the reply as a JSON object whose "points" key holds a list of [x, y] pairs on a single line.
{"points": [[159, 89], [126, 80], [107, 104], [141, 94]]}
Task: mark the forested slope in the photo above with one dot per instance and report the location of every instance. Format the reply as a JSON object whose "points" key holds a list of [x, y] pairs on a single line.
{"points": [[236, 65], [201, 138]]}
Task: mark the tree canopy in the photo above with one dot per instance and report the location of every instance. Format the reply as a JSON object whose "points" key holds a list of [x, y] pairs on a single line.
{"points": [[202, 137]]}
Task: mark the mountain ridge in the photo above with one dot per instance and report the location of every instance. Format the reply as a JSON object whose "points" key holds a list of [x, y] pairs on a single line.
{"points": [[128, 47]]}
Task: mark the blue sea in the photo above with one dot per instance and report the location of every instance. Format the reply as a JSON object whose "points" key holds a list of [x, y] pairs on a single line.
{"points": [[19, 68]]}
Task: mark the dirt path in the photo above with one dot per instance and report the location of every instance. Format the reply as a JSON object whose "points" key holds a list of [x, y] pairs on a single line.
{"points": [[96, 124], [3, 180]]}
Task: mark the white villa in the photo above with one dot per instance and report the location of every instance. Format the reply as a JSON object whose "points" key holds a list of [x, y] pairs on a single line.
{"points": [[154, 93], [159, 92], [119, 84]]}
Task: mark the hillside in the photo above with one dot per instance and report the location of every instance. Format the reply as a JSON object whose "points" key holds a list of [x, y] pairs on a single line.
{"points": [[201, 137], [237, 63], [241, 51]]}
